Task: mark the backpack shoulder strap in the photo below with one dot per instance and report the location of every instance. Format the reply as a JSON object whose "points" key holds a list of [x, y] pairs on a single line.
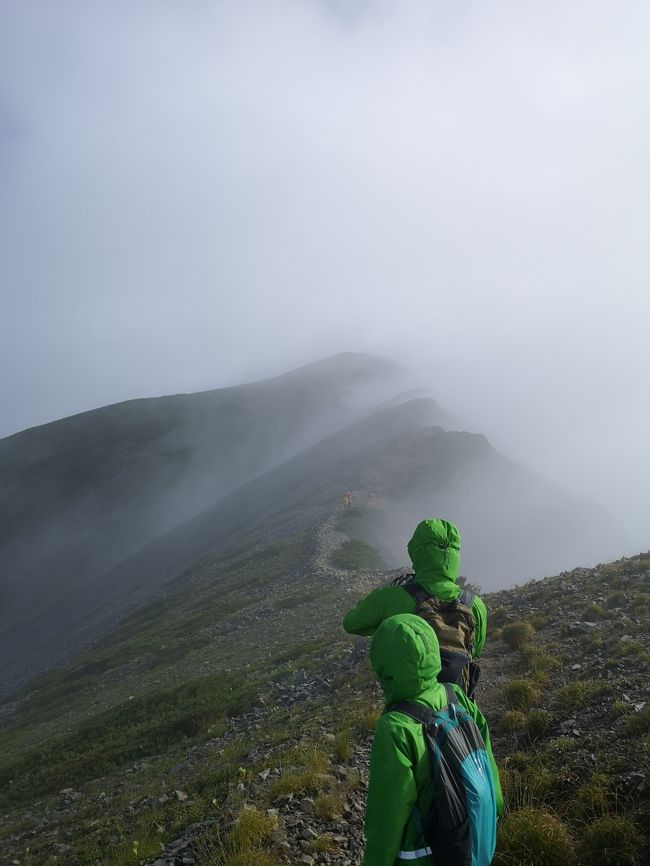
{"points": [[419, 712], [416, 711], [452, 698], [418, 592], [402, 579], [465, 597]]}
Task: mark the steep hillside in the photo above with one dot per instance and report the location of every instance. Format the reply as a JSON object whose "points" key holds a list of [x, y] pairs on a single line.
{"points": [[230, 721], [289, 496], [79, 495], [393, 460]]}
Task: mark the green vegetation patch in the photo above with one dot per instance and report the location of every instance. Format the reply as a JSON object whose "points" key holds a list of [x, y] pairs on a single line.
{"points": [[612, 840], [593, 613], [615, 599], [533, 837], [535, 724], [538, 660], [629, 647], [144, 726], [292, 601], [329, 807], [357, 556], [243, 844], [638, 724], [539, 621], [592, 800], [512, 722], [578, 694], [526, 782], [538, 724], [521, 694], [517, 634]]}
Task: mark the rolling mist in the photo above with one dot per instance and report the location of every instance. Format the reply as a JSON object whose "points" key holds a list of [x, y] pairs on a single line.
{"points": [[197, 198], [199, 195], [104, 511]]}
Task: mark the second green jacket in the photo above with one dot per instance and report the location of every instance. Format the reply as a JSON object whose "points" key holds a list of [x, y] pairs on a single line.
{"points": [[434, 551]]}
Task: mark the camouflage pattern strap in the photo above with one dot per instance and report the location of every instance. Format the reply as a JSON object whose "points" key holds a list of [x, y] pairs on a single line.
{"points": [[420, 594]]}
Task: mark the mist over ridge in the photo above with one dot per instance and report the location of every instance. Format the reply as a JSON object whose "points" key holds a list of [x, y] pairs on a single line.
{"points": [[105, 509], [199, 195]]}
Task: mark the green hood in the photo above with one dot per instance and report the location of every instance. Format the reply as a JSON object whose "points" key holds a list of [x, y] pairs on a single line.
{"points": [[435, 553], [405, 655]]}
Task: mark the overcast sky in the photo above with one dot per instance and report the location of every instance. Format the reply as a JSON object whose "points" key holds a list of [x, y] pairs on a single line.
{"points": [[193, 194]]}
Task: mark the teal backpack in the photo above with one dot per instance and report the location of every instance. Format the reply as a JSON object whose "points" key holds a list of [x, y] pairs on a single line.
{"points": [[461, 825]]}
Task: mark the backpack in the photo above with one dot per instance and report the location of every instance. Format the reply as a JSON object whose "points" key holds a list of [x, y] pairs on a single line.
{"points": [[453, 623], [461, 824]]}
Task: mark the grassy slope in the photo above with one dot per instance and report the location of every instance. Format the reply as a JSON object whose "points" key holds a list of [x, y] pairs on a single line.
{"points": [[317, 473], [149, 711], [571, 715], [80, 494], [170, 676]]}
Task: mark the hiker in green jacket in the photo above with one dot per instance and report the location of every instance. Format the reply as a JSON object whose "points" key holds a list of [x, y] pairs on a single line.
{"points": [[405, 656], [434, 550]]}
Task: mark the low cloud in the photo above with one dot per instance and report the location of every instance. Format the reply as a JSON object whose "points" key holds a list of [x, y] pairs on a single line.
{"points": [[198, 194]]}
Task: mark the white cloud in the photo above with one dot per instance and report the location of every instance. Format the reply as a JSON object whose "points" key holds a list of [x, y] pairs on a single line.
{"points": [[198, 193]]}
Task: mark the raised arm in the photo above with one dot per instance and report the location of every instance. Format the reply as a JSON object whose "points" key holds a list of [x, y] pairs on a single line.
{"points": [[368, 614]]}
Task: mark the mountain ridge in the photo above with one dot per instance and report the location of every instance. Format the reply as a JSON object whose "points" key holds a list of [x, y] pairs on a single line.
{"points": [[124, 477], [399, 455]]}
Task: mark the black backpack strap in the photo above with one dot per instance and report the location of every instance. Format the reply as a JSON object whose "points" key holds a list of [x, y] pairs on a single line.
{"points": [[422, 714], [416, 591], [452, 697], [416, 711], [465, 597], [474, 677]]}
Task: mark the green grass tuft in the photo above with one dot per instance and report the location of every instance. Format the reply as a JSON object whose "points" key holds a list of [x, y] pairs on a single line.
{"points": [[638, 724], [329, 807], [532, 837], [578, 694], [517, 634], [592, 800], [512, 722], [538, 724], [521, 694], [612, 840], [357, 556]]}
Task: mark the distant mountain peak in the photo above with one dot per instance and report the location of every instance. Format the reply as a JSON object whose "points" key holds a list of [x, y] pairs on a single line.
{"points": [[346, 368]]}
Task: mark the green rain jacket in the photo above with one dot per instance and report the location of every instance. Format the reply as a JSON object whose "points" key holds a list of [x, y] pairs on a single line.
{"points": [[435, 554], [406, 658]]}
